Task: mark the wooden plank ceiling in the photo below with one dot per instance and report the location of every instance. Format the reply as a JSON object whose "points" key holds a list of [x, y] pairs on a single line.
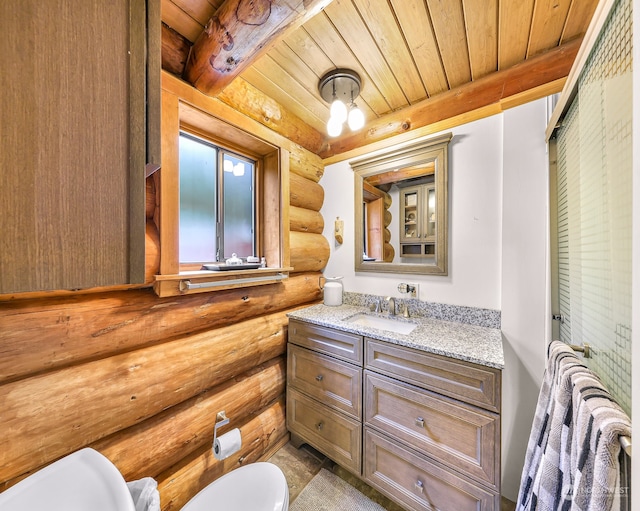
{"points": [[421, 61]]}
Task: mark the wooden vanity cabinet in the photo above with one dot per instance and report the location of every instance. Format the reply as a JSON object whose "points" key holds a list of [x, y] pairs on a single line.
{"points": [[431, 429], [421, 428], [324, 392]]}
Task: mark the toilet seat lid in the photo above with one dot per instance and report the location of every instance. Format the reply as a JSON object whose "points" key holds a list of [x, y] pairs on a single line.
{"points": [[82, 480], [258, 486]]}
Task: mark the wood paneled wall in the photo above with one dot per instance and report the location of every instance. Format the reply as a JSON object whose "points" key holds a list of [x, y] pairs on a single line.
{"points": [[141, 378]]}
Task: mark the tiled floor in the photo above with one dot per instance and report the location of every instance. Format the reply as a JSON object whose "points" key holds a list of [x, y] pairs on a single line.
{"points": [[300, 465]]}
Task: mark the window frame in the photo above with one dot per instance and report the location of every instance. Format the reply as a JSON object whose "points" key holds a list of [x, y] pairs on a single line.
{"points": [[222, 149], [191, 114]]}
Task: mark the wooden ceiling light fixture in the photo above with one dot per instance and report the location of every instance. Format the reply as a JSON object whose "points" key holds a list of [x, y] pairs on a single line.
{"points": [[340, 87]]}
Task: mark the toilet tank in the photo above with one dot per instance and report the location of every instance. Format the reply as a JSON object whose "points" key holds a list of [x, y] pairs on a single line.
{"points": [[84, 480]]}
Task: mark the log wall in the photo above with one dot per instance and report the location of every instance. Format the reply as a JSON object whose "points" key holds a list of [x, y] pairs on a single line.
{"points": [[141, 378], [309, 248]]}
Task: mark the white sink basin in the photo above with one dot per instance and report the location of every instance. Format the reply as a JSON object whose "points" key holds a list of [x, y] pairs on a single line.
{"points": [[382, 323]]}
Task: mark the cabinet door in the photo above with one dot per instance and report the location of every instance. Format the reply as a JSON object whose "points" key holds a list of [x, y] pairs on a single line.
{"points": [[418, 217], [337, 436], [471, 383], [329, 341], [411, 206], [72, 144], [418, 482], [429, 210], [335, 383], [460, 436]]}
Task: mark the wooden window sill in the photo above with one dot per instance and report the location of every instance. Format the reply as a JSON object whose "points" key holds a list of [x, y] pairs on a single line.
{"points": [[204, 281]]}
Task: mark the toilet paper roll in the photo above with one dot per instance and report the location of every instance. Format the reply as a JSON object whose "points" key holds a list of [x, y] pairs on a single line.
{"points": [[225, 445]]}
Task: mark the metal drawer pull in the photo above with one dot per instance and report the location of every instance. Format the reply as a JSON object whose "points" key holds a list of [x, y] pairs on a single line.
{"points": [[319, 377], [420, 422], [419, 486], [319, 426]]}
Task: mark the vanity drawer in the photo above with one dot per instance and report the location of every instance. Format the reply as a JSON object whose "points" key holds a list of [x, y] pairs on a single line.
{"points": [[463, 437], [339, 344], [334, 383], [419, 483], [335, 435], [472, 383]]}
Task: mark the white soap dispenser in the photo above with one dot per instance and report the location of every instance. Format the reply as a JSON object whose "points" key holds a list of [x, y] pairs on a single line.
{"points": [[332, 291]]}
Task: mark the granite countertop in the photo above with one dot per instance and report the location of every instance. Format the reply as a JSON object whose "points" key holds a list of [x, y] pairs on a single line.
{"points": [[477, 344]]}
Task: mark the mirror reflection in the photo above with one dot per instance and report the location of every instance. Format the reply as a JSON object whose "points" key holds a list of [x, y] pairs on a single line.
{"points": [[401, 209]]}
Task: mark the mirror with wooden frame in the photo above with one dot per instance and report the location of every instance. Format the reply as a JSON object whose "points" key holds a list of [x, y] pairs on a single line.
{"points": [[401, 209]]}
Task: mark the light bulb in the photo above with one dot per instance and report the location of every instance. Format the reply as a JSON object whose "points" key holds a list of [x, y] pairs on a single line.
{"points": [[238, 169], [356, 118], [339, 111], [334, 127]]}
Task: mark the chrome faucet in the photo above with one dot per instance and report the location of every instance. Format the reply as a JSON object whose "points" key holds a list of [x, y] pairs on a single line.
{"points": [[392, 305], [376, 306]]}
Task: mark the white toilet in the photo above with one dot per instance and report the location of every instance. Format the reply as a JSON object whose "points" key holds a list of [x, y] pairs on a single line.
{"points": [[258, 486], [87, 480]]}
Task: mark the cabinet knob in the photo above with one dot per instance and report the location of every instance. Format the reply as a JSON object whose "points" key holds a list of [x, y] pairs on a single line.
{"points": [[319, 377], [419, 486], [319, 426], [420, 422]]}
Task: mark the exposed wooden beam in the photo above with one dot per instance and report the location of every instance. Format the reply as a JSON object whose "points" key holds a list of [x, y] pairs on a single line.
{"points": [[175, 50], [494, 89], [245, 98], [240, 32]]}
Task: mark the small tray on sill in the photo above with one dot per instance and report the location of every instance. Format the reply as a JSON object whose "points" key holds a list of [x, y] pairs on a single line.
{"points": [[228, 267]]}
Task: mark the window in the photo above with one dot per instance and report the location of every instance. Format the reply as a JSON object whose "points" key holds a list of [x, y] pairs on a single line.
{"points": [[217, 202], [208, 215]]}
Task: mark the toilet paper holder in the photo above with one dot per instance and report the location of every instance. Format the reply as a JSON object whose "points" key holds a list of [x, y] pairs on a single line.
{"points": [[221, 420]]}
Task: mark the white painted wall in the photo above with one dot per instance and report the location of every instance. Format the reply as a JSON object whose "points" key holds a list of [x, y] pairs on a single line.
{"points": [[497, 252], [525, 255], [475, 176]]}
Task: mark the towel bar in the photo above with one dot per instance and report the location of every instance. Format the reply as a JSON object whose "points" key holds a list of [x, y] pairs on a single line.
{"points": [[585, 349], [187, 285], [625, 443]]}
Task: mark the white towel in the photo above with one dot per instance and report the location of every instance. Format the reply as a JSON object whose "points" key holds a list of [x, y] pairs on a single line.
{"points": [[553, 480], [572, 460], [144, 493], [546, 477], [599, 422]]}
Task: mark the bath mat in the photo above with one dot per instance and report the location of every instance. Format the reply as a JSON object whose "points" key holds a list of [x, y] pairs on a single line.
{"points": [[327, 492]]}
